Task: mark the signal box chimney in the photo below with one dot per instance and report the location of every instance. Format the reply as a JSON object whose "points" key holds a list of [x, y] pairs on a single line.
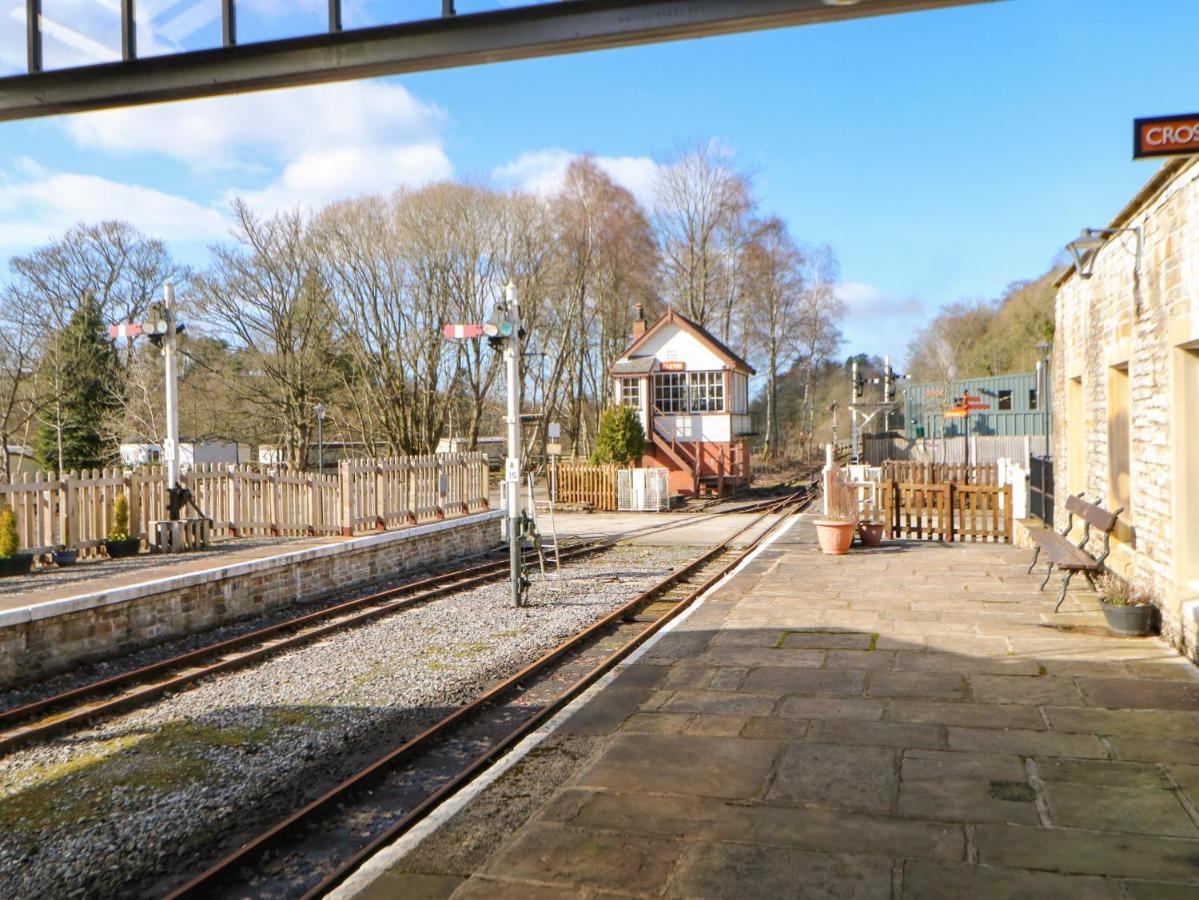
{"points": [[638, 320]]}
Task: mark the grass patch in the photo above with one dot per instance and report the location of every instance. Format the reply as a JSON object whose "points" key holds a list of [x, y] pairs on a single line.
{"points": [[91, 784]]}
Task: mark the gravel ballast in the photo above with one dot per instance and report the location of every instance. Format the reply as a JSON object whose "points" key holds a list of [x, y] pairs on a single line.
{"points": [[114, 809]]}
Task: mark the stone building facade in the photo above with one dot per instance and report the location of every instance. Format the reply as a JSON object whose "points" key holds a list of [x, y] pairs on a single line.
{"points": [[1126, 394]]}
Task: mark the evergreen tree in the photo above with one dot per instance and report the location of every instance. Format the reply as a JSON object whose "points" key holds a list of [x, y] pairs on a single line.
{"points": [[621, 437], [81, 375]]}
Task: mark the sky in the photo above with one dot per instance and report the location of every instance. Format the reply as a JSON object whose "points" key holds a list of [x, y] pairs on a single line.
{"points": [[944, 155]]}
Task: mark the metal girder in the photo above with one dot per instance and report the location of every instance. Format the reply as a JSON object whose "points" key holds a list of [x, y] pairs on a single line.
{"points": [[537, 29]]}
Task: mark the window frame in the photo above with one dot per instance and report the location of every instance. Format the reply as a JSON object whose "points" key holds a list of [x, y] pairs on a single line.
{"points": [[690, 393]]}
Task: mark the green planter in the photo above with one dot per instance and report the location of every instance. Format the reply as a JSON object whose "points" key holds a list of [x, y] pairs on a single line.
{"points": [[118, 549], [17, 564], [1130, 621]]}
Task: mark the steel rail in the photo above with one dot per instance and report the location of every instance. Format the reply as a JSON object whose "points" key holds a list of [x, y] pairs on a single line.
{"points": [[211, 877], [373, 606]]}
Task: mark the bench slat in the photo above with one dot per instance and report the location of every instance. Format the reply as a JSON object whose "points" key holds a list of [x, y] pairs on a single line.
{"points": [[1099, 518], [1064, 554]]}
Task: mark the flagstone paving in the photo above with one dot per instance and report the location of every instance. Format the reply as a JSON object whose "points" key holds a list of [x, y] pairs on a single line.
{"points": [[912, 721]]}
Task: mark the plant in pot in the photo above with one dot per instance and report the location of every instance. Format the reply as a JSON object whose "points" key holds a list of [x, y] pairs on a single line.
{"points": [[871, 532], [835, 530], [119, 543], [62, 555], [1128, 608], [12, 561]]}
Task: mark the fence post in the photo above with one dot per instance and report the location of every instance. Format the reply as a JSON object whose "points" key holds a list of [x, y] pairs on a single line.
{"points": [[274, 502], [345, 489], [234, 498], [952, 495], [440, 478]]}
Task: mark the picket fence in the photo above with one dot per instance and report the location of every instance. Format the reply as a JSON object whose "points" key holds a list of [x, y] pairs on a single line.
{"points": [[76, 510], [593, 486], [910, 472]]}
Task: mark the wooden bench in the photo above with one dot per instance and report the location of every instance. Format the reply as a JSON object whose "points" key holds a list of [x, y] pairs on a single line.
{"points": [[1073, 558]]}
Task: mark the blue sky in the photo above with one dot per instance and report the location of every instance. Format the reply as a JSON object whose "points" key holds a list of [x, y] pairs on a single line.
{"points": [[943, 154]]}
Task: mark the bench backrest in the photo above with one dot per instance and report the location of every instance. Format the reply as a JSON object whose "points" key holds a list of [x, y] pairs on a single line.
{"points": [[1097, 516]]}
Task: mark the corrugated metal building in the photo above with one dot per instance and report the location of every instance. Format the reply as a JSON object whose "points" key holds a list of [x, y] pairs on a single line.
{"points": [[1015, 408]]}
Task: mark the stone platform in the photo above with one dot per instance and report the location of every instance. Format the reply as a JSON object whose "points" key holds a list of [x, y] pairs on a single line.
{"points": [[95, 610], [911, 721]]}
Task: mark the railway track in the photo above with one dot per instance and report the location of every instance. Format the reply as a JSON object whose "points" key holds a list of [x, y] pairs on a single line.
{"points": [[314, 849], [128, 690]]}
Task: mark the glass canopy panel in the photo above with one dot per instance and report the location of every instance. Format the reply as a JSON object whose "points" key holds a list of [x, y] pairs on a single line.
{"points": [[270, 20], [176, 26], [367, 13], [80, 33], [12, 37]]}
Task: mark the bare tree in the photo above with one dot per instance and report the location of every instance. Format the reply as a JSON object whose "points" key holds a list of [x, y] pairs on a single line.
{"points": [[266, 296], [775, 289], [701, 211], [816, 327], [20, 334]]}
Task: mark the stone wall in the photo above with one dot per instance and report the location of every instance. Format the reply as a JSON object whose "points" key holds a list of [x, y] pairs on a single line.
{"points": [[1117, 319], [50, 637]]}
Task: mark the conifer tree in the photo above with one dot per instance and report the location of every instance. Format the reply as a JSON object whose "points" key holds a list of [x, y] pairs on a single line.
{"points": [[80, 374], [621, 437]]}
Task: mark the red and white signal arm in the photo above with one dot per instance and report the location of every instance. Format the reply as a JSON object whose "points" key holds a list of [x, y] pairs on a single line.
{"points": [[458, 332], [124, 330]]}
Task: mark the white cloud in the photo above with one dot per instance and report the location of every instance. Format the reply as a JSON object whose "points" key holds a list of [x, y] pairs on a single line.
{"points": [[312, 145], [38, 204], [543, 171], [865, 301]]}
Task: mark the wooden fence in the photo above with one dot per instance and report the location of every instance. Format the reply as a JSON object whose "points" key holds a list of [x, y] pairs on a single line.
{"points": [[940, 473], [76, 510], [947, 511], [594, 486]]}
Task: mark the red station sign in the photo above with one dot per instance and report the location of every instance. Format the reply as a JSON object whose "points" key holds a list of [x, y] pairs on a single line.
{"points": [[1166, 136]]}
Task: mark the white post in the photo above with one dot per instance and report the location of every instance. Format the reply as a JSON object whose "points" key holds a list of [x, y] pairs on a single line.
{"points": [[512, 467], [172, 390], [828, 468]]}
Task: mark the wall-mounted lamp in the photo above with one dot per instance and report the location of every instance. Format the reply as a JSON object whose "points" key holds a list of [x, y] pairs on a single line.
{"points": [[1085, 248]]}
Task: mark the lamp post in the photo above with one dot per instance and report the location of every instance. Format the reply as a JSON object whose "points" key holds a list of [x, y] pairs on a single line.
{"points": [[1043, 393], [319, 409]]}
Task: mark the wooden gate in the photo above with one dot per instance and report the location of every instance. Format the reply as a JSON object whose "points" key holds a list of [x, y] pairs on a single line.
{"points": [[948, 512]]}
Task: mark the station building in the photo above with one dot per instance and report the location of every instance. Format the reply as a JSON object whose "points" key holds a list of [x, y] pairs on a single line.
{"points": [[692, 394], [1126, 393]]}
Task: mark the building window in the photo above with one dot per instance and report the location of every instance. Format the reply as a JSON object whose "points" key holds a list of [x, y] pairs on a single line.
{"points": [[707, 391], [670, 392], [689, 392], [1032, 398], [1119, 439], [630, 392], [1005, 400]]}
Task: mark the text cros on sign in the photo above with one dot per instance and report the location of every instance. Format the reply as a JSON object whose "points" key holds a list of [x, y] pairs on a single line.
{"points": [[1166, 136]]}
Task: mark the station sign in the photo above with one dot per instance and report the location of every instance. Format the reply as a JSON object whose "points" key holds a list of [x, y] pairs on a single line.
{"points": [[1166, 136], [673, 365]]}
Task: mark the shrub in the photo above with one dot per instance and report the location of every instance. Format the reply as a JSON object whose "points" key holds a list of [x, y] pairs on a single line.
{"points": [[621, 437], [120, 519], [9, 544]]}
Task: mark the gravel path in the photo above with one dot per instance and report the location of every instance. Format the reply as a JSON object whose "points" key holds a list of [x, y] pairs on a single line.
{"points": [[111, 810]]}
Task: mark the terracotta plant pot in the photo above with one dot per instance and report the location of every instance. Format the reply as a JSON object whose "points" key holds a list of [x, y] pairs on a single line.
{"points": [[835, 537], [1130, 621], [871, 533]]}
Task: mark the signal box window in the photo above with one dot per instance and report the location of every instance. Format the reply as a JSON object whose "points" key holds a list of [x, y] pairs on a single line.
{"points": [[1005, 399], [630, 392]]}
